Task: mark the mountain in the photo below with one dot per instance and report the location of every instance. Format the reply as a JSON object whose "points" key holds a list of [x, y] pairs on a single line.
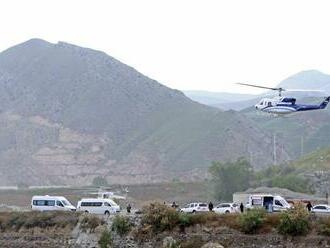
{"points": [[216, 98], [308, 80], [70, 114]]}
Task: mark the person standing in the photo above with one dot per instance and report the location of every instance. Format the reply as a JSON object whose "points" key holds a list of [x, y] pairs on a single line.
{"points": [[128, 208], [309, 206], [241, 207], [210, 206]]}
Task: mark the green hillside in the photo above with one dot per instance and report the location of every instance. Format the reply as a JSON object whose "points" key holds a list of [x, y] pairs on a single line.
{"points": [[299, 133], [317, 160]]}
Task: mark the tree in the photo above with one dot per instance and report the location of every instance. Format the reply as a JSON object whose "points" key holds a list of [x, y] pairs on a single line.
{"points": [[230, 177]]}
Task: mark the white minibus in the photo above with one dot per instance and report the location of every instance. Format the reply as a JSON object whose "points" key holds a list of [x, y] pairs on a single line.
{"points": [[51, 203], [98, 206]]}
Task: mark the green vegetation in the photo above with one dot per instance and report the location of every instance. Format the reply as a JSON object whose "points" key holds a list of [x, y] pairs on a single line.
{"points": [[230, 177], [90, 222], [100, 181], [294, 222], [283, 176], [16, 221], [121, 225], [252, 220], [323, 227], [160, 217], [105, 240]]}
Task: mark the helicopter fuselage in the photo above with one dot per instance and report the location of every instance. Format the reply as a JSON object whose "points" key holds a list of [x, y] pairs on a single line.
{"points": [[284, 105]]}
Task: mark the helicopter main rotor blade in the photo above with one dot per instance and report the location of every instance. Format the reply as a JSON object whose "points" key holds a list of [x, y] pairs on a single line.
{"points": [[304, 90], [262, 87]]}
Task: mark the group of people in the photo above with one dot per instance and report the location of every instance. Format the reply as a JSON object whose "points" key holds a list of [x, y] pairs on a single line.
{"points": [[241, 207]]}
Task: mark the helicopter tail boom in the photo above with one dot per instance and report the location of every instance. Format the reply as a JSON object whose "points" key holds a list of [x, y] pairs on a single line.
{"points": [[324, 104]]}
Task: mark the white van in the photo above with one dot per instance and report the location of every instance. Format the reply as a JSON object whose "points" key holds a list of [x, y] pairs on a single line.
{"points": [[98, 206], [276, 202], [51, 203]]}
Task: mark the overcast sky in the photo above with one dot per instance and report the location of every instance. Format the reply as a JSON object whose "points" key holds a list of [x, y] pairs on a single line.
{"points": [[205, 45]]}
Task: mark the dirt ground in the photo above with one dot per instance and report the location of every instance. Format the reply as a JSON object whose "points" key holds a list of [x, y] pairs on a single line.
{"points": [[137, 195]]}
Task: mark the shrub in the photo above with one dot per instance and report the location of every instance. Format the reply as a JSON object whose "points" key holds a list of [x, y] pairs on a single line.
{"points": [[105, 240], [160, 217], [271, 222], [185, 219], [193, 242], [323, 226], [90, 222], [100, 181], [252, 220], [29, 220], [294, 222], [121, 225]]}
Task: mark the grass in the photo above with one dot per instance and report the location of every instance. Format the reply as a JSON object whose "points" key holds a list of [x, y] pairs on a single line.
{"points": [[91, 222], [27, 220]]}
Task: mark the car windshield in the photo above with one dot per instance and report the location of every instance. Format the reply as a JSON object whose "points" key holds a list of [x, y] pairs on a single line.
{"points": [[65, 203], [202, 205]]}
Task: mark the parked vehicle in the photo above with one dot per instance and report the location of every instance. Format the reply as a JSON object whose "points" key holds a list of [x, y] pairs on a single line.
{"points": [[226, 208], [272, 203], [51, 203], [195, 207], [321, 208], [98, 206]]}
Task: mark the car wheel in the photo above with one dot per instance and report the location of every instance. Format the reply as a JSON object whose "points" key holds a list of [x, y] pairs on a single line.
{"points": [[227, 212], [107, 213], [194, 211], [86, 212]]}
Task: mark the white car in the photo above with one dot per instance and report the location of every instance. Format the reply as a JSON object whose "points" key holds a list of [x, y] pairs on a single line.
{"points": [[322, 208], [98, 206], [195, 207], [51, 203], [226, 208]]}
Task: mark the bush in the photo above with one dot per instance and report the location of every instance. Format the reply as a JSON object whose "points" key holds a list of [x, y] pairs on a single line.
{"points": [[291, 182], [294, 222], [90, 222], [100, 181], [160, 217], [323, 226], [121, 225], [252, 220], [16, 221], [105, 240], [193, 242]]}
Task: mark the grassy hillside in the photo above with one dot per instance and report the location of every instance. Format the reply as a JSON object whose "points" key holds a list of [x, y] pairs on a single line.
{"points": [[318, 160], [299, 133], [105, 119]]}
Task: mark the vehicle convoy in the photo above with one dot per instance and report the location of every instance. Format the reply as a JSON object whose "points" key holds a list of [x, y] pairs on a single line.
{"points": [[195, 207], [98, 206], [275, 202], [321, 208], [51, 203], [226, 208]]}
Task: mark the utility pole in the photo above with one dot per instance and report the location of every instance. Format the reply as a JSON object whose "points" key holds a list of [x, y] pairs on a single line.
{"points": [[302, 145], [274, 148]]}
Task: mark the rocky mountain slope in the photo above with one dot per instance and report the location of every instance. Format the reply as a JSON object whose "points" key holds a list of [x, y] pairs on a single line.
{"points": [[70, 114]]}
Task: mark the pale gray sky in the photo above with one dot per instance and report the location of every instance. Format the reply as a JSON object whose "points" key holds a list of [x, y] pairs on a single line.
{"points": [[185, 44]]}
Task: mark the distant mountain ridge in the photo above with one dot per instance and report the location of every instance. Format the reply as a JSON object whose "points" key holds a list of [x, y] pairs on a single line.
{"points": [[69, 114], [309, 80], [214, 98]]}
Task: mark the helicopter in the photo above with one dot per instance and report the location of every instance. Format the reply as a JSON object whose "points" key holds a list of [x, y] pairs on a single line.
{"points": [[280, 105]]}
